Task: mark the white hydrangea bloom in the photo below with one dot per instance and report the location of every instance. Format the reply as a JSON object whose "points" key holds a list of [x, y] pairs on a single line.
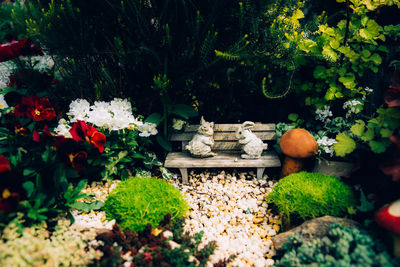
{"points": [[178, 124], [368, 90], [79, 110], [100, 115], [63, 128], [323, 114], [147, 129]]}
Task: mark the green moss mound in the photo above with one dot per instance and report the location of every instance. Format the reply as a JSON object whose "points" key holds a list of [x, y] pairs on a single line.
{"points": [[136, 202], [310, 195]]}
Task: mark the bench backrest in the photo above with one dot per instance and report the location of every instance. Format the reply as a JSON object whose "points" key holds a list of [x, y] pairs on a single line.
{"points": [[224, 135]]}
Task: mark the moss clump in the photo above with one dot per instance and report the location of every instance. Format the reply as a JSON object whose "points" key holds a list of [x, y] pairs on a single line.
{"points": [[136, 202], [310, 195]]}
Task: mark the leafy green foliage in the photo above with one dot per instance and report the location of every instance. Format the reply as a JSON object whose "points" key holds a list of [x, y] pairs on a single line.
{"points": [[310, 195], [345, 144], [341, 247], [138, 201]]}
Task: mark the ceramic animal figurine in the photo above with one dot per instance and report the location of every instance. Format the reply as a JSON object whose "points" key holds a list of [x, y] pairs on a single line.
{"points": [[202, 141], [252, 146]]}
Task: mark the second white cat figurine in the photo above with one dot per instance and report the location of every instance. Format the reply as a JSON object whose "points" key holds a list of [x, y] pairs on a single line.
{"points": [[202, 142]]}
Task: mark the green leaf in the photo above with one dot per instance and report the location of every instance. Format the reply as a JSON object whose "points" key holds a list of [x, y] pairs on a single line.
{"points": [[29, 187], [164, 143], [379, 146], [358, 129], [376, 59], [184, 111], [329, 53], [385, 133], [365, 204], [29, 172], [293, 116], [348, 81], [368, 135], [320, 72], [345, 145], [87, 207], [154, 118]]}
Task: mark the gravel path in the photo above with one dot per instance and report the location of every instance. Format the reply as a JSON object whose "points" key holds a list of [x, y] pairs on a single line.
{"points": [[228, 207]]}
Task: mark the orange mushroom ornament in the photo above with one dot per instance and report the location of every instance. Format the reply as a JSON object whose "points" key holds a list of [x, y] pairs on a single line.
{"points": [[297, 145]]}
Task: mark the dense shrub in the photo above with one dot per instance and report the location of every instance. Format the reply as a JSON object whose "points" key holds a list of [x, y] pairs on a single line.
{"points": [[138, 201], [151, 248], [310, 195], [341, 247]]}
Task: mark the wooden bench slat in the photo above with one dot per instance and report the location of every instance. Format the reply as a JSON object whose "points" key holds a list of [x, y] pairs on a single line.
{"points": [[219, 136], [232, 127], [222, 160]]}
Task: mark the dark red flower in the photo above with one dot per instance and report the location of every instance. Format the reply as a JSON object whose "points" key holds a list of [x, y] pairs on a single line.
{"points": [[81, 131], [70, 152], [4, 164], [28, 78], [38, 137], [16, 48], [9, 200], [36, 108]]}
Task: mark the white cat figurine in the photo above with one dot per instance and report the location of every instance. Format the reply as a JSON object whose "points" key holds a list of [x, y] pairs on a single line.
{"points": [[202, 141]]}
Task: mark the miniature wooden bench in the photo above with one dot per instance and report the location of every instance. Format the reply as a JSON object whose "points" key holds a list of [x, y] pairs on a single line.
{"points": [[227, 147]]}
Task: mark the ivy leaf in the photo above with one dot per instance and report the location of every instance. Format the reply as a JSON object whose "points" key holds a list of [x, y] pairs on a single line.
{"points": [[345, 145], [298, 14], [334, 43], [379, 146], [358, 129], [365, 204], [29, 187]]}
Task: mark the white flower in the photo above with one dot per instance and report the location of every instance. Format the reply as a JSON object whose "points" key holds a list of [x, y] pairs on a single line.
{"points": [[3, 103], [368, 90], [353, 106], [63, 129], [178, 124], [326, 144], [79, 110], [323, 114], [147, 129]]}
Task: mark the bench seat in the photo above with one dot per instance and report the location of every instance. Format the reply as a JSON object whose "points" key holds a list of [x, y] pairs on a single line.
{"points": [[183, 161]]}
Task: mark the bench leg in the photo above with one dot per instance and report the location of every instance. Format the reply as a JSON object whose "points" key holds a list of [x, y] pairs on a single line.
{"points": [[260, 172], [184, 174]]}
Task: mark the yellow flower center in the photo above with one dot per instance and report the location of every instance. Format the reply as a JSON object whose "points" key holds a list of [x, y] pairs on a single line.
{"points": [[37, 112], [6, 193]]}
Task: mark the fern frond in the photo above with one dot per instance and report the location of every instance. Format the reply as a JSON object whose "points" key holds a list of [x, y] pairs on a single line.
{"points": [[226, 55]]}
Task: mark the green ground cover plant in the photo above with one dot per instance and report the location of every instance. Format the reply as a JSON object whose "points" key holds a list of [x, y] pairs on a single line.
{"points": [[310, 195], [136, 202], [343, 247]]}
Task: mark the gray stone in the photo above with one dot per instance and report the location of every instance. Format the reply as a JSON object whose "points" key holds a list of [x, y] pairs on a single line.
{"points": [[312, 229]]}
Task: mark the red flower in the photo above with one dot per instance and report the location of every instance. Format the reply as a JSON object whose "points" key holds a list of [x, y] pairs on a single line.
{"points": [[4, 164], [81, 131], [9, 200], [147, 256], [37, 137], [71, 153], [36, 108], [16, 48]]}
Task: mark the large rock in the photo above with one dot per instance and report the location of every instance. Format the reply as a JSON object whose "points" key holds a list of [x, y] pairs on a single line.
{"points": [[312, 229]]}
